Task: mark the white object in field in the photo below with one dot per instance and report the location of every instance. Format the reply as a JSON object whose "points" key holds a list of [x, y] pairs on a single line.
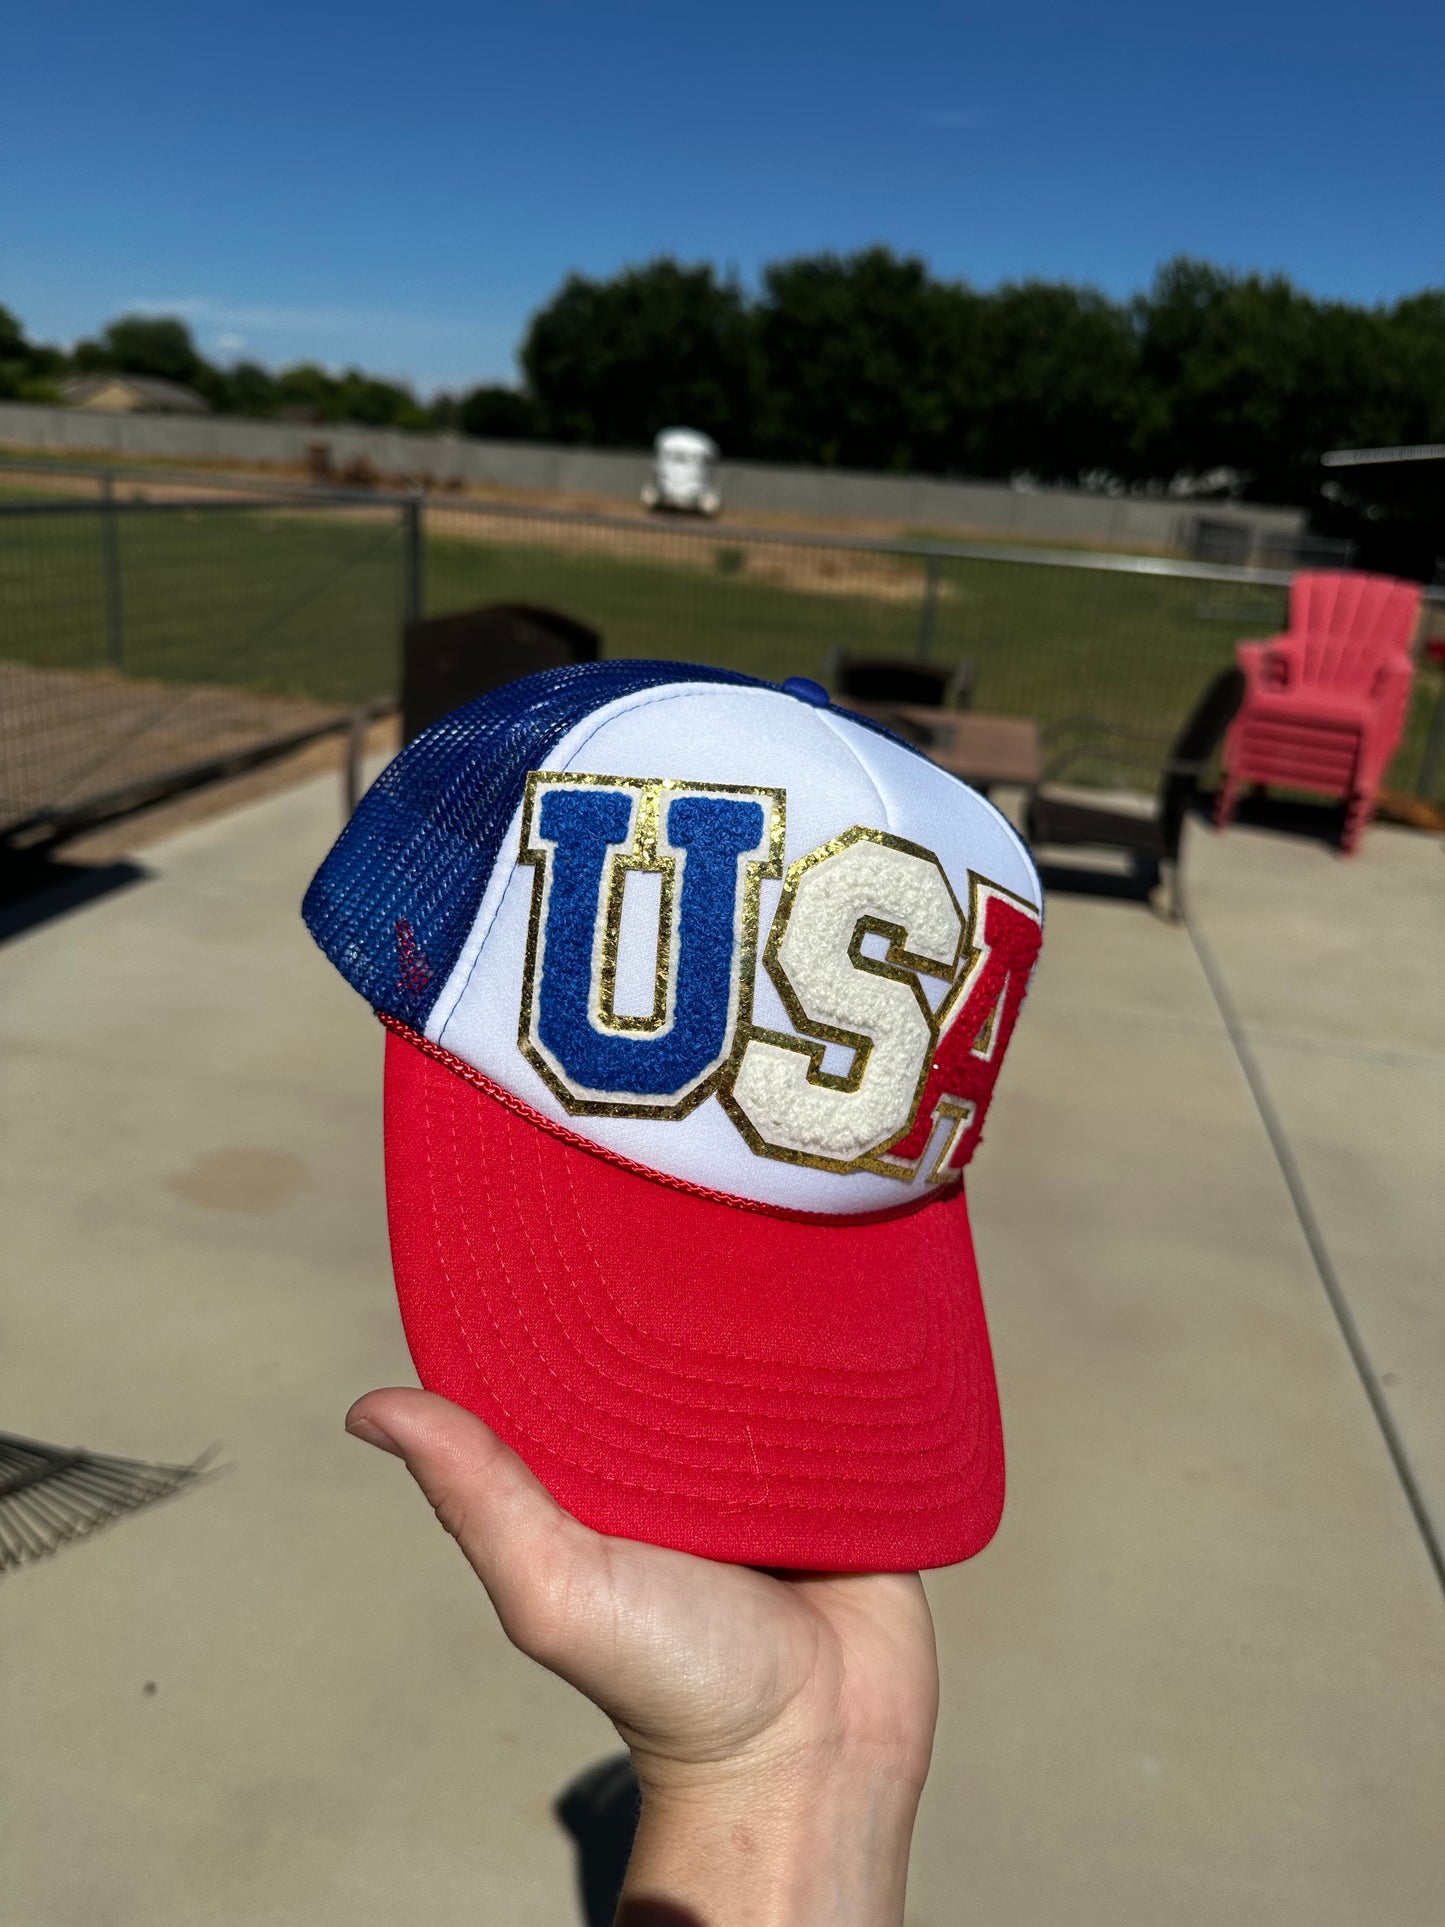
{"points": [[683, 474]]}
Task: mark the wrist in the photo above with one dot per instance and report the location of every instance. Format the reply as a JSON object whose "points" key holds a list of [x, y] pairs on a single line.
{"points": [[816, 1838]]}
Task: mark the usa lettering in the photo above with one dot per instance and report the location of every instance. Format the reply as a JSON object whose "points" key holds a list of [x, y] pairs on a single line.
{"points": [[894, 1048]]}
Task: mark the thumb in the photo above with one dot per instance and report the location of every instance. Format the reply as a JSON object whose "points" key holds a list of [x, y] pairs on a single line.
{"points": [[520, 1543]]}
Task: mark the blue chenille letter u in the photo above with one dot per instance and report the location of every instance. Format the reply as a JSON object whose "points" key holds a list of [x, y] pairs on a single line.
{"points": [[577, 834]]}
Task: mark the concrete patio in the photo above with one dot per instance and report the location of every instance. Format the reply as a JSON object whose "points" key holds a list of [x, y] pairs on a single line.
{"points": [[1199, 1677]]}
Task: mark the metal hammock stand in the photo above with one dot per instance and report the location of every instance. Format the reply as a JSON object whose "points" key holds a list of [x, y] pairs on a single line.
{"points": [[51, 1494]]}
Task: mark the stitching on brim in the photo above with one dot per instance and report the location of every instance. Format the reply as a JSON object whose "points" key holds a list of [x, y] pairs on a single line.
{"points": [[907, 1371], [936, 1421], [591, 1404], [966, 1421]]}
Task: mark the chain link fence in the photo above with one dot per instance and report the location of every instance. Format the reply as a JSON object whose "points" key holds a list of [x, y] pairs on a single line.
{"points": [[1053, 635], [155, 629], [152, 637]]}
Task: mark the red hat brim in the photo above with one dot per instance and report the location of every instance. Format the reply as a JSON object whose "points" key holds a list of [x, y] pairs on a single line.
{"points": [[683, 1369]]}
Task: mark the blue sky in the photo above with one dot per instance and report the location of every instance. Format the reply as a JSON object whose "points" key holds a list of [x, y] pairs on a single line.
{"points": [[399, 187]]}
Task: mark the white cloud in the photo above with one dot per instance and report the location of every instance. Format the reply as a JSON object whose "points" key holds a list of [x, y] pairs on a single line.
{"points": [[324, 321]]}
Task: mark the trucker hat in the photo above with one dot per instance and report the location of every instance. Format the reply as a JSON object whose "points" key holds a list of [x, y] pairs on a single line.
{"points": [[696, 989]]}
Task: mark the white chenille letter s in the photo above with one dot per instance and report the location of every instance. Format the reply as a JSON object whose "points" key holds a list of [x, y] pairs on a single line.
{"points": [[865, 883]]}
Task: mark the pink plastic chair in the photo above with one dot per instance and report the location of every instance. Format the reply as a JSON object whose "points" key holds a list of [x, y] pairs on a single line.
{"points": [[1324, 704]]}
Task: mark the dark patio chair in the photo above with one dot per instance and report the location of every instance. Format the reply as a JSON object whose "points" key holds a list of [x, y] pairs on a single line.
{"points": [[1150, 829], [448, 660], [899, 679]]}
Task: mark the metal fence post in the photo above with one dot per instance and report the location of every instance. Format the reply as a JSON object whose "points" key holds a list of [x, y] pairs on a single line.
{"points": [[928, 613], [413, 588], [110, 575], [351, 763]]}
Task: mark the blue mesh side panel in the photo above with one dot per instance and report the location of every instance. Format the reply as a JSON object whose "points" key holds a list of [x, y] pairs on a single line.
{"points": [[392, 904]]}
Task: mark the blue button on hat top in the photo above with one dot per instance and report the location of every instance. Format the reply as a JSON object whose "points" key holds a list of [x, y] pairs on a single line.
{"points": [[807, 691]]}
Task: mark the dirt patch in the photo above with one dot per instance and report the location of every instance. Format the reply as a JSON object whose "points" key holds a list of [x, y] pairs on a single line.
{"points": [[162, 820], [68, 738], [159, 481], [851, 573], [1394, 806], [241, 1178]]}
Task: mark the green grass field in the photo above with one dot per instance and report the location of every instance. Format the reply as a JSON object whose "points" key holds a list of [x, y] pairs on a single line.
{"points": [[1132, 651], [308, 603], [1044, 642], [304, 605]]}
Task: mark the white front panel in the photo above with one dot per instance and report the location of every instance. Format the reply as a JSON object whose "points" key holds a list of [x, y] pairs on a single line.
{"points": [[836, 777]]}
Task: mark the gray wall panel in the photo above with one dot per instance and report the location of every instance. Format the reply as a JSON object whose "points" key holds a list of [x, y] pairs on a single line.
{"points": [[916, 502]]}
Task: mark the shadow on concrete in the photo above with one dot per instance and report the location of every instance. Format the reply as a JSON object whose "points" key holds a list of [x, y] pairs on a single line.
{"points": [[1084, 873], [1117, 886], [1289, 816], [599, 1809], [36, 889]]}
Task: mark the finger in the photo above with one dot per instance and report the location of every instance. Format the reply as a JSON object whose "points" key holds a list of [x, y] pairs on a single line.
{"points": [[527, 1552]]}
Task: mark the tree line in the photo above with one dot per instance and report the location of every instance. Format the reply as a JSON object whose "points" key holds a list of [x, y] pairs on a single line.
{"points": [[163, 346], [870, 361]]}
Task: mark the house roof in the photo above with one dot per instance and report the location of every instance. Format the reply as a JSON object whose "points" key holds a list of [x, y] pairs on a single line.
{"points": [[145, 391]]}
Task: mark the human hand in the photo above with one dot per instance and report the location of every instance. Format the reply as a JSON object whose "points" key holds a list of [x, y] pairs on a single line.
{"points": [[780, 1725]]}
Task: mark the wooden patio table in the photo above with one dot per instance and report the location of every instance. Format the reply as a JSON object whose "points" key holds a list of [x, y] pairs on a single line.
{"points": [[981, 749]]}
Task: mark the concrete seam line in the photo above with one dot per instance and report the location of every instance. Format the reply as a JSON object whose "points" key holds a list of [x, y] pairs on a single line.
{"points": [[1319, 1251]]}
